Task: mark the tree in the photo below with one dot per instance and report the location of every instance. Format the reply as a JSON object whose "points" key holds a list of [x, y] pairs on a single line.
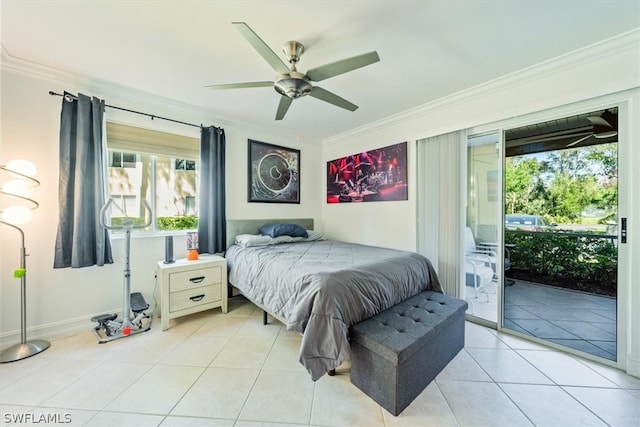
{"points": [[606, 157], [523, 185], [563, 184], [570, 195]]}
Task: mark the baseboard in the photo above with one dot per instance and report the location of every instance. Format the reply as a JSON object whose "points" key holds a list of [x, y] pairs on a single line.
{"points": [[633, 366], [51, 331], [48, 332]]}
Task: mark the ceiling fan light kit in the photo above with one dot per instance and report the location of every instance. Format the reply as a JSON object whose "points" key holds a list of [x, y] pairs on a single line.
{"points": [[290, 83]]}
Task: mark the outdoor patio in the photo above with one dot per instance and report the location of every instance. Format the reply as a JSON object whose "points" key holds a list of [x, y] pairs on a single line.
{"points": [[582, 321]]}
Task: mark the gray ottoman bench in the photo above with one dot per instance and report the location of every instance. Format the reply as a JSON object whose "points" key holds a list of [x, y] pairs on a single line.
{"points": [[398, 352]]}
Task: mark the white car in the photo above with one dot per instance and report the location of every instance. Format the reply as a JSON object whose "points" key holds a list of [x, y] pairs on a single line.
{"points": [[525, 222]]}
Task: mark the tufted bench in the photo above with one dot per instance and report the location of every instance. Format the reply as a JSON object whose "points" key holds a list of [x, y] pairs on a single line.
{"points": [[398, 352]]}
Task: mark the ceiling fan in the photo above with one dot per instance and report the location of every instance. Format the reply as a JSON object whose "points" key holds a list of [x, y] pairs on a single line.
{"points": [[603, 127], [292, 84]]}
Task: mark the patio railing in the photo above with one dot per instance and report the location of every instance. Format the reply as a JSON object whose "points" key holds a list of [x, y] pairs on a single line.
{"points": [[581, 261]]}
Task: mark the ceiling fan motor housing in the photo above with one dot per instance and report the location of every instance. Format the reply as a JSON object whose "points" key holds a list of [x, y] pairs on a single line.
{"points": [[292, 85]]}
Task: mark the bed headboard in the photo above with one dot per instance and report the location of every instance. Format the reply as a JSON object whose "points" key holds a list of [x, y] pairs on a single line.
{"points": [[251, 226]]}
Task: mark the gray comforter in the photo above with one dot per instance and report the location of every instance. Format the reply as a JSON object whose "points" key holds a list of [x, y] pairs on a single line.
{"points": [[323, 287]]}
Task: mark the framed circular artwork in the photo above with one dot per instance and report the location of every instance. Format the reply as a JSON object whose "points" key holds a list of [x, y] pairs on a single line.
{"points": [[274, 173]]}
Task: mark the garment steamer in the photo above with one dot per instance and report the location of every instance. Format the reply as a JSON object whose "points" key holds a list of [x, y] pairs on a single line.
{"points": [[109, 327]]}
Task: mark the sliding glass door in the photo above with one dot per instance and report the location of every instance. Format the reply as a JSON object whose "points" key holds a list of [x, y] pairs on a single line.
{"points": [[483, 261], [561, 223]]}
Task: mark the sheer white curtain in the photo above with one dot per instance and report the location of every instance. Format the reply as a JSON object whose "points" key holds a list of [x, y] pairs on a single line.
{"points": [[441, 206]]}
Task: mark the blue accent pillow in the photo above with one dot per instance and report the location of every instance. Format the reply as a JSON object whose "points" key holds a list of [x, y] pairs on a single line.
{"points": [[276, 230]]}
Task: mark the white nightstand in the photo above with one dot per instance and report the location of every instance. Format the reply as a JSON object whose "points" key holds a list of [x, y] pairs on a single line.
{"points": [[187, 287]]}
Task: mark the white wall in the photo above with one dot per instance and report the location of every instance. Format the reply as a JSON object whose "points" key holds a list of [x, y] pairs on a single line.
{"points": [[608, 72], [66, 299], [563, 81], [61, 301]]}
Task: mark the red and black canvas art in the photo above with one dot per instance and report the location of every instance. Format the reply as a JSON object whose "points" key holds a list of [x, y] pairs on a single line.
{"points": [[371, 176]]}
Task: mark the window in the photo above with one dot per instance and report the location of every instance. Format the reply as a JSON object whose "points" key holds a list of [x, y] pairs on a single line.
{"points": [[185, 165], [158, 167], [118, 159], [190, 205]]}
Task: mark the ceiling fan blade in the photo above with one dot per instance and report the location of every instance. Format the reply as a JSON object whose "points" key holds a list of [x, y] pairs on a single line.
{"points": [[604, 133], [332, 98], [578, 141], [598, 121], [240, 85], [263, 49], [343, 66], [283, 107]]}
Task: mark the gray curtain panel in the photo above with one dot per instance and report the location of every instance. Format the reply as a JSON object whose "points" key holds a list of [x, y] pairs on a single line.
{"points": [[211, 206], [81, 240]]}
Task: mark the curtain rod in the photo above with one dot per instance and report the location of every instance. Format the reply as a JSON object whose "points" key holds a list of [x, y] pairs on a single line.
{"points": [[153, 116]]}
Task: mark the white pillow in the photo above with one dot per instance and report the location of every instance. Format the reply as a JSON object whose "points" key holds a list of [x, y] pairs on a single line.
{"points": [[249, 240], [314, 235], [246, 240]]}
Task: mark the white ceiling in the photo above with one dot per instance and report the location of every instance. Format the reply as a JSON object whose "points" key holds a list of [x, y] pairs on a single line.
{"points": [[428, 49]]}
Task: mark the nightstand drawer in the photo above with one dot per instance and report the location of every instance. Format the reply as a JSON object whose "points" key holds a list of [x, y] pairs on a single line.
{"points": [[194, 278], [194, 297], [191, 286]]}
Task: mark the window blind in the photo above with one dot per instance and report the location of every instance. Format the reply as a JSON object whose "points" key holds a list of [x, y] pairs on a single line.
{"points": [[441, 207], [134, 139]]}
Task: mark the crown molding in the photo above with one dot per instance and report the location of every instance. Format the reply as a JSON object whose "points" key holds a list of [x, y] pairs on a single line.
{"points": [[124, 94], [97, 87], [625, 43]]}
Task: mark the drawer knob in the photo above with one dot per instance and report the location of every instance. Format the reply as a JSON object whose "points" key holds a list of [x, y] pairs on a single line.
{"points": [[196, 298], [196, 279]]}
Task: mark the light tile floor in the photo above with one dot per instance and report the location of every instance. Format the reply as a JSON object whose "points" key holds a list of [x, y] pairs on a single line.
{"points": [[582, 321], [579, 320], [212, 369]]}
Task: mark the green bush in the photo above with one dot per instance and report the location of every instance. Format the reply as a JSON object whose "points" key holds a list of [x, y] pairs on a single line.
{"points": [[177, 223], [583, 261], [165, 223], [119, 221]]}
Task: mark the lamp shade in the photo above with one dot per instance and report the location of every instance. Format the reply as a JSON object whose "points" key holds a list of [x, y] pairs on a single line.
{"points": [[24, 167], [17, 215], [18, 187], [16, 205]]}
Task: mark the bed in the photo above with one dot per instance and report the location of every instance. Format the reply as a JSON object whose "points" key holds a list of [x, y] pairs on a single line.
{"points": [[320, 287]]}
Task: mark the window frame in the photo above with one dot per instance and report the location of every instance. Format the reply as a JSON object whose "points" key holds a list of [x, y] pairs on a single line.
{"points": [[149, 146]]}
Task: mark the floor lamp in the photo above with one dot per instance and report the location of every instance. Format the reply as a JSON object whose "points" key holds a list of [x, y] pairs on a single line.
{"points": [[19, 211]]}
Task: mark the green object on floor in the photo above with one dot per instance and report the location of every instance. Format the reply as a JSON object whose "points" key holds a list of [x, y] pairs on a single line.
{"points": [[19, 273]]}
